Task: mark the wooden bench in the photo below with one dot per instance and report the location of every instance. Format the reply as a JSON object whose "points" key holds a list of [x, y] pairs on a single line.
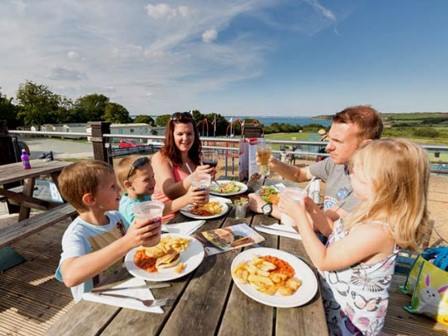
{"points": [[24, 228]]}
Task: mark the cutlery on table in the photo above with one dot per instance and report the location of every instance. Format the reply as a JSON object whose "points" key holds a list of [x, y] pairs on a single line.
{"points": [[146, 302], [149, 286], [278, 229]]}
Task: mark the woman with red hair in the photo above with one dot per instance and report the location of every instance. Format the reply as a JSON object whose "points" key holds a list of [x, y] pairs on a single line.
{"points": [[179, 160]]}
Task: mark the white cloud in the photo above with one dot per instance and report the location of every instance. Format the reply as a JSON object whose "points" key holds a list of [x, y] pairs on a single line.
{"points": [[164, 11], [72, 55], [154, 51], [209, 36], [327, 13]]}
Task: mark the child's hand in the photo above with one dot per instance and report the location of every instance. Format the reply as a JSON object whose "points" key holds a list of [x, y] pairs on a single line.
{"points": [[196, 196], [291, 207], [145, 233]]}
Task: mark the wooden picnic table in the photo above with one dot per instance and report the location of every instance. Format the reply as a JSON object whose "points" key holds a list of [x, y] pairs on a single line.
{"points": [[207, 302], [14, 172]]}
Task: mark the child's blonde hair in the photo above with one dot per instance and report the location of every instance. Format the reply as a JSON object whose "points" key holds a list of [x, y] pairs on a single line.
{"points": [[398, 171], [124, 170], [82, 178]]}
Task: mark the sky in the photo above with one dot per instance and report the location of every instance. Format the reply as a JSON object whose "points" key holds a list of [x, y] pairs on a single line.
{"points": [[236, 58]]}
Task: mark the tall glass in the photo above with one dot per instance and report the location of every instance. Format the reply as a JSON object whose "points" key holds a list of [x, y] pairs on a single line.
{"points": [[295, 194], [202, 182], [264, 153], [153, 211]]}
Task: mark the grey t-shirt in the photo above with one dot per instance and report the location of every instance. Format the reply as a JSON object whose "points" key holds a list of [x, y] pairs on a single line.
{"points": [[338, 189]]}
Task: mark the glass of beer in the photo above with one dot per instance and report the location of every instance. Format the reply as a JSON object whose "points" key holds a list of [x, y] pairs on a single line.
{"points": [[264, 153]]}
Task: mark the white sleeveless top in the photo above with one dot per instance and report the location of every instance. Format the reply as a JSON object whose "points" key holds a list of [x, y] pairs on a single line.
{"points": [[356, 298]]}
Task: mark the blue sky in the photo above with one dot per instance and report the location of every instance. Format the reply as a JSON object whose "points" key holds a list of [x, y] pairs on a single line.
{"points": [[248, 57]]}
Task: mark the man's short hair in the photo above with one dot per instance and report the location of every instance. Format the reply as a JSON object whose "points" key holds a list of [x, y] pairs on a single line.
{"points": [[365, 117], [82, 178]]}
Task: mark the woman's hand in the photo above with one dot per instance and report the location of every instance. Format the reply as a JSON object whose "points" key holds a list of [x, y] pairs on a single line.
{"points": [[196, 196], [144, 232], [200, 170]]}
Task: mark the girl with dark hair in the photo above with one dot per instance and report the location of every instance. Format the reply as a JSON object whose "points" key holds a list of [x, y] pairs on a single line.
{"points": [[179, 160]]}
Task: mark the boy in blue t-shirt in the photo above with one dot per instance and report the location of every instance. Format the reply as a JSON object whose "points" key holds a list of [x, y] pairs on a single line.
{"points": [[136, 179], [96, 241]]}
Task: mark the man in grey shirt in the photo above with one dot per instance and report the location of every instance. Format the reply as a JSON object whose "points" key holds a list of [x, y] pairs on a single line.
{"points": [[351, 129]]}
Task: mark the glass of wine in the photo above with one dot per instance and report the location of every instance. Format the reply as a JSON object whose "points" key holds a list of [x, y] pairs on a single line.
{"points": [[210, 157]]}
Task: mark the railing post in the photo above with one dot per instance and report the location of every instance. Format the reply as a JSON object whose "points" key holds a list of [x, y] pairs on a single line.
{"points": [[6, 145], [100, 143]]}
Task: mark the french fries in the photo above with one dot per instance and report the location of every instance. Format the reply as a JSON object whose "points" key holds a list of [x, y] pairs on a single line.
{"points": [[163, 255], [268, 277], [208, 209]]}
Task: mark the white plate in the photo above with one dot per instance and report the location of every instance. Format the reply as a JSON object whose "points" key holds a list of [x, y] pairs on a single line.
{"points": [[303, 272], [191, 257], [186, 210], [243, 188]]}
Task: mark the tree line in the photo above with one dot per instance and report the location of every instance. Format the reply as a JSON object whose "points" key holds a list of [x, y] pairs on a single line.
{"points": [[35, 104]]}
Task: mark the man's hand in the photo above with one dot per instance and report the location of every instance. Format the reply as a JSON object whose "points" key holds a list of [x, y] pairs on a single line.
{"points": [[255, 203]]}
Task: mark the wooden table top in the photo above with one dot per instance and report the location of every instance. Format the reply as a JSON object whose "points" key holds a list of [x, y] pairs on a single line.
{"points": [[14, 172], [207, 302]]}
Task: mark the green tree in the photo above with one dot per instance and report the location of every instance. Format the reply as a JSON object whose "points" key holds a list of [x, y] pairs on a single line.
{"points": [[117, 114], [221, 124], [37, 104], [8, 112], [162, 120], [91, 107], [145, 119], [197, 115]]}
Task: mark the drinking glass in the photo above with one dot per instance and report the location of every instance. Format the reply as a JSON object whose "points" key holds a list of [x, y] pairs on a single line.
{"points": [[264, 153], [150, 210], [295, 194], [202, 182], [210, 157]]}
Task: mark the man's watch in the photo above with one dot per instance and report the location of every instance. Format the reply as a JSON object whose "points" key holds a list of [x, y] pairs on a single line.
{"points": [[266, 209]]}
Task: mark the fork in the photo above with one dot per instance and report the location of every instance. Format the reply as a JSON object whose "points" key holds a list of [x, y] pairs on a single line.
{"points": [[146, 302]]}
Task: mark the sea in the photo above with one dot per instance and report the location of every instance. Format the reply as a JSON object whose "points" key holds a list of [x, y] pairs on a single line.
{"points": [[266, 121]]}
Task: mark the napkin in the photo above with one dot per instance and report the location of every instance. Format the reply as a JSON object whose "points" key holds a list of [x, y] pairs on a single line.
{"points": [[221, 199], [183, 228], [279, 230], [141, 293]]}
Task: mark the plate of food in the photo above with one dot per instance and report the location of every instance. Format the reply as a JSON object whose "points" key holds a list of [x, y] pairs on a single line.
{"points": [[269, 194], [175, 256], [227, 188], [273, 277], [213, 209]]}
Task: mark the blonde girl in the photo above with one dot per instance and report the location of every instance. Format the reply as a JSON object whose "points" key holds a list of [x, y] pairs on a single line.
{"points": [[390, 178]]}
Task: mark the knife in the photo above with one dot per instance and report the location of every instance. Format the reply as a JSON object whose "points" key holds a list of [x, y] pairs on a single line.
{"points": [[150, 286]]}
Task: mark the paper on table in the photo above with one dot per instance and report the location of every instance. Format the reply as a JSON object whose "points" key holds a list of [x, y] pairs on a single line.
{"points": [[139, 293], [221, 199], [184, 228], [279, 230]]}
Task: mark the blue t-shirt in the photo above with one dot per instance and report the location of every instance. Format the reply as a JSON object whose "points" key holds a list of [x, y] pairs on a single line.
{"points": [[127, 206], [82, 238]]}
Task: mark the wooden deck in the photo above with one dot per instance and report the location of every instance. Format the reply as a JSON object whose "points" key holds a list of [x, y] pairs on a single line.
{"points": [[31, 300]]}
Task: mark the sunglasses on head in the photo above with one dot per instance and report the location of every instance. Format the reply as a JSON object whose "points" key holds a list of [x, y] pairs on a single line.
{"points": [[181, 116], [139, 163]]}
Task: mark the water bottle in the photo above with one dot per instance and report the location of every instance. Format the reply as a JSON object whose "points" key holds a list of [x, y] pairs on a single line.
{"points": [[25, 160]]}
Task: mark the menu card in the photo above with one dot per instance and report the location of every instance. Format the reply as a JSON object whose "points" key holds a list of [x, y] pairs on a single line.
{"points": [[228, 238]]}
